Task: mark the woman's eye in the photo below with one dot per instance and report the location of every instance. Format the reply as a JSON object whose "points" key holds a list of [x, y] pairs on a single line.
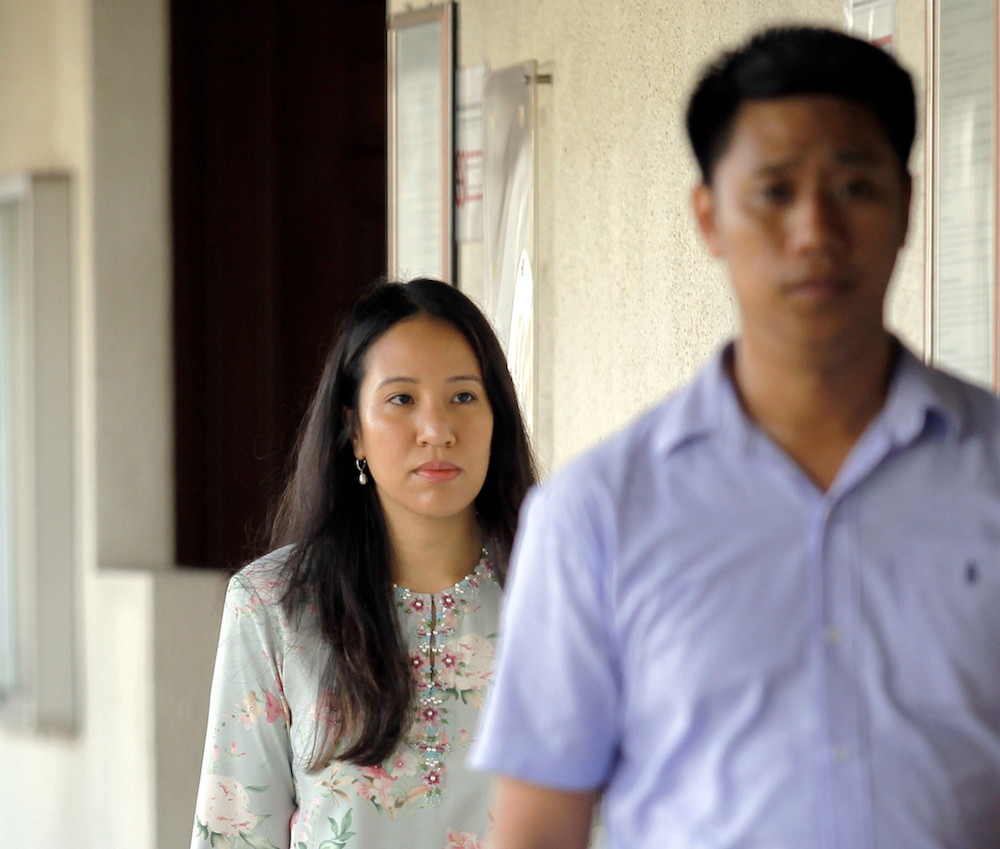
{"points": [[401, 399], [464, 397]]}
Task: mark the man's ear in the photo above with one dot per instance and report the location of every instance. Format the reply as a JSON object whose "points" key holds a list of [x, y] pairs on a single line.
{"points": [[349, 419], [703, 202]]}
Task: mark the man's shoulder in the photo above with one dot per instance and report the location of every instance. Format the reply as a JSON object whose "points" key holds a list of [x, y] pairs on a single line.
{"points": [[976, 410], [645, 441]]}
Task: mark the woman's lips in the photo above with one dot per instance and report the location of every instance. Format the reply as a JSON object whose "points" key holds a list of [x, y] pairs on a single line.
{"points": [[437, 472]]}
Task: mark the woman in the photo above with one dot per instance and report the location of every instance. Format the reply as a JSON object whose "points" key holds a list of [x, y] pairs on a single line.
{"points": [[353, 661]]}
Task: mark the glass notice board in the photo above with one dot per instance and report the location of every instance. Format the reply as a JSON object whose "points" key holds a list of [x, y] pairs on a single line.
{"points": [[421, 116], [964, 316]]}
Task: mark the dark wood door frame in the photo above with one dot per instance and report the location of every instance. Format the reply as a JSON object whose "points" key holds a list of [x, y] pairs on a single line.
{"points": [[278, 214]]}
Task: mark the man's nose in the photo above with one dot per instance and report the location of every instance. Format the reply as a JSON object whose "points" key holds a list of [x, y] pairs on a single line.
{"points": [[817, 224]]}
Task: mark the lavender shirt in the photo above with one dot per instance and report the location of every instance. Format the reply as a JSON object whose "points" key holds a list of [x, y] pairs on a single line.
{"points": [[741, 660]]}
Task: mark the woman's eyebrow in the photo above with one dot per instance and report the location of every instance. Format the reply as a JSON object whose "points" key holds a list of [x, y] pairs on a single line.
{"points": [[395, 379], [458, 378]]}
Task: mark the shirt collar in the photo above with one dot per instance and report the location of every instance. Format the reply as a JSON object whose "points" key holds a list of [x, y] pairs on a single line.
{"points": [[919, 397], [707, 406]]}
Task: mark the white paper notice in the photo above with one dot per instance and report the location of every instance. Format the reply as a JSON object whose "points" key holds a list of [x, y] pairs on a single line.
{"points": [[874, 21], [469, 154], [420, 218]]}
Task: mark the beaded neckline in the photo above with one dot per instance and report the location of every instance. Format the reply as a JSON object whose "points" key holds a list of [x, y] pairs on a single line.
{"points": [[482, 570], [436, 658]]}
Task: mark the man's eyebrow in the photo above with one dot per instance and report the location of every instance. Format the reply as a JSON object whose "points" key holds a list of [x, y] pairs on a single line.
{"points": [[858, 157], [846, 156], [777, 166]]}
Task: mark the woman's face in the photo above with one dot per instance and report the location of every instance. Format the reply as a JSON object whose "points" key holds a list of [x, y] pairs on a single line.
{"points": [[424, 423]]}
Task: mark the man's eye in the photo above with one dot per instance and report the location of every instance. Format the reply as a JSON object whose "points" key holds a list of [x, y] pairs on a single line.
{"points": [[852, 189], [777, 192]]}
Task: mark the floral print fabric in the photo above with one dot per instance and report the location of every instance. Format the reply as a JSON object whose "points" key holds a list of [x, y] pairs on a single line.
{"points": [[255, 791]]}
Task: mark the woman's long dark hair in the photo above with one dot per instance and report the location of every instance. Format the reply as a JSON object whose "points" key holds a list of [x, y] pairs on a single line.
{"points": [[340, 560]]}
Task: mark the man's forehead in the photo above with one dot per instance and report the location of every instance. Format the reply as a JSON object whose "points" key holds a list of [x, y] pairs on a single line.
{"points": [[844, 130]]}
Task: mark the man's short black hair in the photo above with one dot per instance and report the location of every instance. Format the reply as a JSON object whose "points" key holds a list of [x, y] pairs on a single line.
{"points": [[788, 61]]}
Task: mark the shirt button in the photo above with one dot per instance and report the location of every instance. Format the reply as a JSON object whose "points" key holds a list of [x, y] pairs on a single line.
{"points": [[833, 635], [841, 753]]}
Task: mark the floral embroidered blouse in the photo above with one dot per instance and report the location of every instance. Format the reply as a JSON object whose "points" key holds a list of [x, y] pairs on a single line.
{"points": [[255, 791]]}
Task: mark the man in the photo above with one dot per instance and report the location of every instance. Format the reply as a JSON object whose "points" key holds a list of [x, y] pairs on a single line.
{"points": [[767, 614]]}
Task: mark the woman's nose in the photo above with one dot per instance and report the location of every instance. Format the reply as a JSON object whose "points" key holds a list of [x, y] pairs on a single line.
{"points": [[435, 427]]}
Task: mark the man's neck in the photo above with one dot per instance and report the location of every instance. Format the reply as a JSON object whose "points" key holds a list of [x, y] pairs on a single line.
{"points": [[814, 405]]}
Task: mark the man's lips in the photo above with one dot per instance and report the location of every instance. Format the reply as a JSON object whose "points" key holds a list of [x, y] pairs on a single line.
{"points": [[437, 472], [818, 287]]}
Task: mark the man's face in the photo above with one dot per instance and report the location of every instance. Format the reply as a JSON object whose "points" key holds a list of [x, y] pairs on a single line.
{"points": [[808, 208]]}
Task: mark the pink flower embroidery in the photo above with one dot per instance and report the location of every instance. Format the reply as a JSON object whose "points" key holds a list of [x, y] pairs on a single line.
{"points": [[375, 785], [251, 710], [224, 807], [447, 601], [274, 708], [463, 840], [404, 762], [471, 667]]}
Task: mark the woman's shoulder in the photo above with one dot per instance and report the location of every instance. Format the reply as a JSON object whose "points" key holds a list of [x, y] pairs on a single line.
{"points": [[265, 577]]}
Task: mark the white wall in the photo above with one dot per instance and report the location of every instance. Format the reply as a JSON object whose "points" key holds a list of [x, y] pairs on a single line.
{"points": [[83, 88], [628, 301]]}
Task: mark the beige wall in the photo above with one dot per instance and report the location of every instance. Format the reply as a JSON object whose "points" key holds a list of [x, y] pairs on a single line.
{"points": [[628, 306], [83, 89], [628, 303]]}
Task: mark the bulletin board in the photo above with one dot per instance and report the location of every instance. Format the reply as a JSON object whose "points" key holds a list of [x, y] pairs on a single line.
{"points": [[963, 123], [509, 189], [421, 71]]}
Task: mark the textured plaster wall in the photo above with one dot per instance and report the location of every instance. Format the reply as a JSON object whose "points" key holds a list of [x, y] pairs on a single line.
{"points": [[628, 301]]}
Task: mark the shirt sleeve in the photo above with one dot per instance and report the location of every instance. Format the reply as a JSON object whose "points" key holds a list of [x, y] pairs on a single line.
{"points": [[552, 717], [246, 790]]}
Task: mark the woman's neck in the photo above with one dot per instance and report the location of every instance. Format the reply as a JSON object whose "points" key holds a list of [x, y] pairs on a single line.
{"points": [[431, 555]]}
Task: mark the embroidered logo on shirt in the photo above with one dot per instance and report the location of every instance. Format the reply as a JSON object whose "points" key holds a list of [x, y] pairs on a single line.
{"points": [[971, 572]]}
